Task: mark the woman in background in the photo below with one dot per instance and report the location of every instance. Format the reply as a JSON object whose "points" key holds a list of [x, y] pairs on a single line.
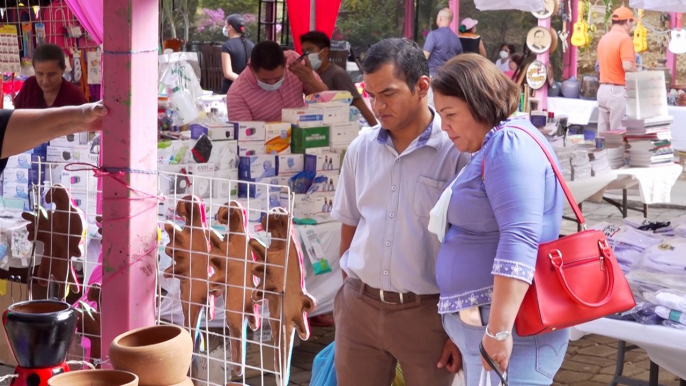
{"points": [[48, 88], [471, 42], [235, 51], [504, 56]]}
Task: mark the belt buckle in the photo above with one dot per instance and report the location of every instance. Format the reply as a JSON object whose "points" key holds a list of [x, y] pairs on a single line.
{"points": [[381, 296]]}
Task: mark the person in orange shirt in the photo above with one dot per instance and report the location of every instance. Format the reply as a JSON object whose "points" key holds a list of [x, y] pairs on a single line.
{"points": [[616, 57]]}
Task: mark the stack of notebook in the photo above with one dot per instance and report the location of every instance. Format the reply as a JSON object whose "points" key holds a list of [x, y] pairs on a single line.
{"points": [[649, 141]]}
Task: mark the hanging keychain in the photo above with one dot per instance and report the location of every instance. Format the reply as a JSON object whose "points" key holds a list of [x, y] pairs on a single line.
{"points": [[78, 72]]}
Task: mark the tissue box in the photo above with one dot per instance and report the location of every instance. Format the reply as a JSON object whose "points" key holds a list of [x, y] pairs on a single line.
{"points": [[326, 181], [221, 132], [303, 116], [317, 150], [201, 176], [257, 166], [309, 137], [249, 131], [225, 185], [71, 140], [19, 175], [259, 188], [18, 191], [173, 179], [68, 154], [278, 138], [322, 162], [83, 180], [344, 133], [291, 163], [87, 202], [308, 205], [251, 148], [334, 112]]}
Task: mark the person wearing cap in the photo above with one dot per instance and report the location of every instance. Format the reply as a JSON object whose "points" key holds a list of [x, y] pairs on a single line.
{"points": [[471, 42], [235, 51], [616, 57]]}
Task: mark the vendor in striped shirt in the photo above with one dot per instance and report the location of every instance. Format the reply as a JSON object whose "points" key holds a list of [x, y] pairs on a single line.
{"points": [[274, 80]]}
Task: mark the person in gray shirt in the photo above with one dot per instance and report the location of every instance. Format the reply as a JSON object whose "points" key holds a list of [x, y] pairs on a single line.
{"points": [[441, 44], [318, 45]]}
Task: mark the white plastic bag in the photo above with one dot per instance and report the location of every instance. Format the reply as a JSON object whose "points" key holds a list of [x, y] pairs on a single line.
{"points": [[485, 379]]}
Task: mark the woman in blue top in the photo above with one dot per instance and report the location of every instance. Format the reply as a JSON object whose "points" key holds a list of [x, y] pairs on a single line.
{"points": [[495, 222]]}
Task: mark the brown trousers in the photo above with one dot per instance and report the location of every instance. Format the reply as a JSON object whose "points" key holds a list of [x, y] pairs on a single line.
{"points": [[372, 336]]}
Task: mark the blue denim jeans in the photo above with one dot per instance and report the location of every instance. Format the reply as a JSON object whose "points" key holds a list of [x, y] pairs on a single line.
{"points": [[534, 360]]}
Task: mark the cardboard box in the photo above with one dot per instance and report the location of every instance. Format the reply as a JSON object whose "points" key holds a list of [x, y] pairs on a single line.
{"points": [[326, 181], [173, 179], [201, 176], [291, 163], [23, 161], [68, 154], [71, 140], [21, 293], [249, 131], [309, 137], [82, 179], [305, 116], [278, 138], [344, 133], [224, 154], [22, 176], [225, 184], [249, 148], [317, 150], [257, 166], [308, 205], [322, 162], [334, 112], [259, 187]]}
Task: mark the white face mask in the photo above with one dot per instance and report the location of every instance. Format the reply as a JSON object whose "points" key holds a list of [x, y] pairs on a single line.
{"points": [[504, 54], [271, 87], [438, 217], [314, 60], [225, 31]]}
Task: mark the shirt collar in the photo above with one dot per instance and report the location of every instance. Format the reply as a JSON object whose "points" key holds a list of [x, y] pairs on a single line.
{"points": [[431, 136]]}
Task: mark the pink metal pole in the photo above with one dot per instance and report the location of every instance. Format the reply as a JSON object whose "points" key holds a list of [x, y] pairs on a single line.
{"points": [[409, 19], [454, 6], [130, 137], [569, 66], [542, 93], [675, 22]]}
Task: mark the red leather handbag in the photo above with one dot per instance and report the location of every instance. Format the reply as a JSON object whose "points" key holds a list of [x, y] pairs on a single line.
{"points": [[577, 277]]}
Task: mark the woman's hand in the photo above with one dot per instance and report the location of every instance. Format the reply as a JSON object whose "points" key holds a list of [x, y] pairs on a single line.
{"points": [[499, 352]]}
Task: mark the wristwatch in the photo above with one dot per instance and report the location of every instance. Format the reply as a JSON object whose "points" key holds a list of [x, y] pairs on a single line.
{"points": [[499, 336]]}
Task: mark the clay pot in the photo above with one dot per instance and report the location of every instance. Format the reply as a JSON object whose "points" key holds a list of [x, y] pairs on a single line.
{"points": [[589, 87], [570, 88], [554, 90], [40, 332], [159, 355], [94, 378]]}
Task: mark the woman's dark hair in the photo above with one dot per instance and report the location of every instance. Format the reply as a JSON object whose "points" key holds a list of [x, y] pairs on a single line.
{"points": [[317, 38], [512, 48], [267, 55], [409, 60], [238, 24], [48, 53], [490, 95]]}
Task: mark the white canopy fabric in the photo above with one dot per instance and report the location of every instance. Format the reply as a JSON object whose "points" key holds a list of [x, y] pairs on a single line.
{"points": [[659, 5], [500, 5]]}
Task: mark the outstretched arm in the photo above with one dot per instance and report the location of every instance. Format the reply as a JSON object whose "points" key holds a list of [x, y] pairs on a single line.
{"points": [[27, 129]]}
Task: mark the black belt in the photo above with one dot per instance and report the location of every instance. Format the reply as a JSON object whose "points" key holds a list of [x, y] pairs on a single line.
{"points": [[389, 297]]}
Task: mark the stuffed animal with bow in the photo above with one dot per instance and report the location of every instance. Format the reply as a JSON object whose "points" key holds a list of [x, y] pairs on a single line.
{"points": [[233, 278], [189, 247], [280, 271], [62, 232], [88, 323]]}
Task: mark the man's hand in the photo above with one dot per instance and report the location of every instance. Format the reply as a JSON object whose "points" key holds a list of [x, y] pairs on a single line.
{"points": [[303, 71], [91, 117], [451, 358]]}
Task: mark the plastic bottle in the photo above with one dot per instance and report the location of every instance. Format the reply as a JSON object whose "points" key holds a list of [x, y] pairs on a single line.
{"points": [[185, 106]]}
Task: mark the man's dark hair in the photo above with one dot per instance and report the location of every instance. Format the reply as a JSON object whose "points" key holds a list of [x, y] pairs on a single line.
{"points": [[619, 22], [409, 60], [267, 55], [49, 52], [317, 38]]}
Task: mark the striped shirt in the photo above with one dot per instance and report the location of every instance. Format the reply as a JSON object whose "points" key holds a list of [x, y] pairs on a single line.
{"points": [[246, 101]]}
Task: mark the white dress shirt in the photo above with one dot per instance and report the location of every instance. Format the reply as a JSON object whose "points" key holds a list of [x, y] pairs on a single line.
{"points": [[388, 198]]}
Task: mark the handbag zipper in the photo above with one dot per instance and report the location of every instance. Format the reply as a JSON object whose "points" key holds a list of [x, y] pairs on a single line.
{"points": [[584, 261]]}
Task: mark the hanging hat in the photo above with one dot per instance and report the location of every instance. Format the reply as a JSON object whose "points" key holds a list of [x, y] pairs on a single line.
{"points": [[469, 23], [622, 13], [236, 22]]}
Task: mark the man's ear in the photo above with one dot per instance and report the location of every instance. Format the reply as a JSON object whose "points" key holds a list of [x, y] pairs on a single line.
{"points": [[326, 51], [422, 86]]}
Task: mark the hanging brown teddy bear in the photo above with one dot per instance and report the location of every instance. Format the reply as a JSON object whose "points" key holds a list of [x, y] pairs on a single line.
{"points": [[62, 232], [233, 278], [189, 248], [282, 287]]}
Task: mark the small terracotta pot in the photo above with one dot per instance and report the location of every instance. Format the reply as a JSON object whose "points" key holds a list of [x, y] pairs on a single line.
{"points": [[94, 378], [159, 355]]}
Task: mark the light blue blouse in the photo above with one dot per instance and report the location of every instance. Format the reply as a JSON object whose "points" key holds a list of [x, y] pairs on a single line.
{"points": [[496, 223]]}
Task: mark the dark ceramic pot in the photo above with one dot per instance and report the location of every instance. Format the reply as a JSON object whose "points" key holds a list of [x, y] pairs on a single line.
{"points": [[570, 88], [40, 332]]}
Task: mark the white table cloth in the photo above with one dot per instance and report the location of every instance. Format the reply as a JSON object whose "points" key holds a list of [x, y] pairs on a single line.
{"points": [[665, 346]]}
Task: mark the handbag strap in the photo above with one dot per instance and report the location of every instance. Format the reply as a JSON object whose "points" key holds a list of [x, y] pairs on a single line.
{"points": [[570, 198], [487, 358], [606, 266]]}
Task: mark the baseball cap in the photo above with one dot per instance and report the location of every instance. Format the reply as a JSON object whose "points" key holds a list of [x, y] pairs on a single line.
{"points": [[622, 13], [469, 23]]}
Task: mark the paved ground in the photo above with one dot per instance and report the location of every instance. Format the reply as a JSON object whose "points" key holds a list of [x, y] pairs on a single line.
{"points": [[590, 361]]}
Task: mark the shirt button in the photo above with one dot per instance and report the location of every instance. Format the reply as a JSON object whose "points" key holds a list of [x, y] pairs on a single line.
{"points": [[394, 188], [388, 243], [385, 272], [392, 215]]}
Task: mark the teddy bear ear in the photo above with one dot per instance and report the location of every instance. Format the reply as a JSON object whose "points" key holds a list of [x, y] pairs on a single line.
{"points": [[223, 215], [258, 249]]}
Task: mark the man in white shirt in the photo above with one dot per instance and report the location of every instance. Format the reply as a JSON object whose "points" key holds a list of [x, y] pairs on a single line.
{"points": [[392, 175]]}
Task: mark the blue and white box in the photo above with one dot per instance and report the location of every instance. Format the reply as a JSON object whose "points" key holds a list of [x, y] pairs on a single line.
{"points": [[291, 163], [248, 148], [322, 162], [249, 130], [257, 166]]}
